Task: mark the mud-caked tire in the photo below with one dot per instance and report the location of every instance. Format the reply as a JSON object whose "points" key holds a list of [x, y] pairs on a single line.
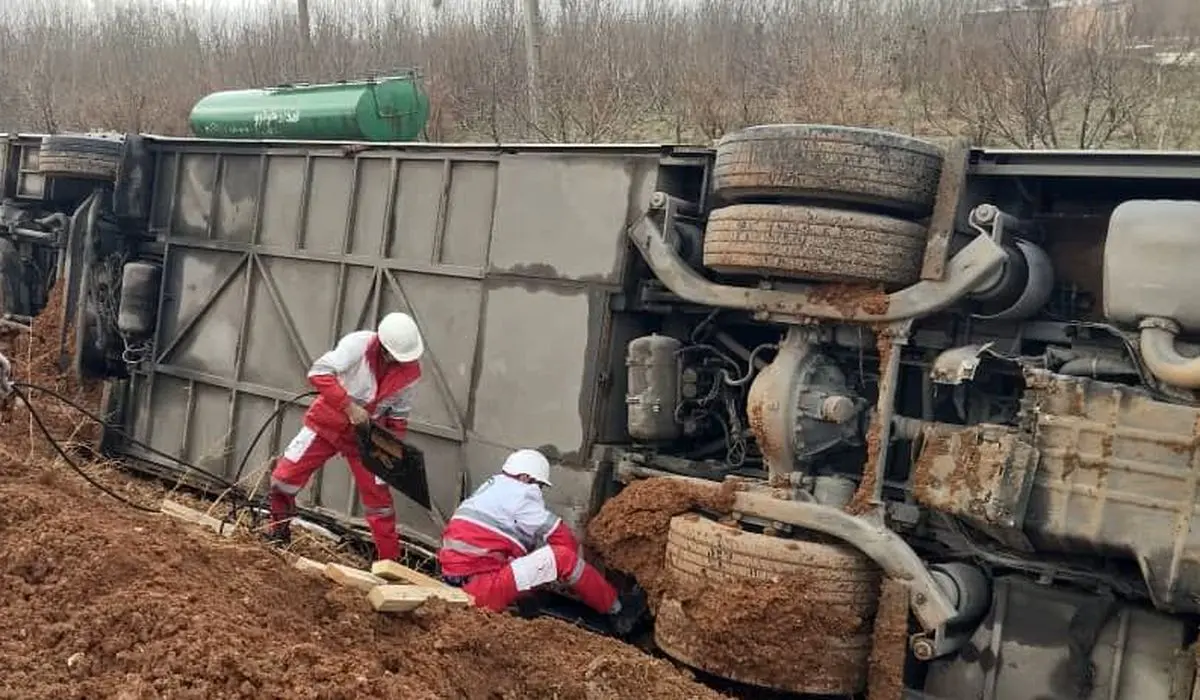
{"points": [[814, 243], [81, 156], [833, 578], [828, 164]]}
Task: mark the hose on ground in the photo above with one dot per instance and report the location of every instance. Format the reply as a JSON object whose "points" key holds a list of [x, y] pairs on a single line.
{"points": [[54, 442], [239, 501]]}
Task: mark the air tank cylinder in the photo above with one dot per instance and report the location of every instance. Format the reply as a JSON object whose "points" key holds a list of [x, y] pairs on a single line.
{"points": [[139, 299], [652, 362]]}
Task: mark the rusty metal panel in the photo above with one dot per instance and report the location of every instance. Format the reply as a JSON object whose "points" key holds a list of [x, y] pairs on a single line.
{"points": [[273, 251], [983, 474], [1118, 475]]}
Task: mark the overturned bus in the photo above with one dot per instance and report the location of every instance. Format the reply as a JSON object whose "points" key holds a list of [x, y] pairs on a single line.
{"points": [[965, 370]]}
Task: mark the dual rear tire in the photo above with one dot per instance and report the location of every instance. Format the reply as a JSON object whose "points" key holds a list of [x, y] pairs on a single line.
{"points": [[821, 203], [789, 614]]}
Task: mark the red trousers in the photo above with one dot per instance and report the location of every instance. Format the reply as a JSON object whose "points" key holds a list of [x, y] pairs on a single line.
{"points": [[499, 588], [306, 454]]}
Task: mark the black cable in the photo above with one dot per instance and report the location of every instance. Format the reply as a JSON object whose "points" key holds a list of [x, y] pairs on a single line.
{"points": [[263, 429], [37, 419], [238, 502], [90, 414]]}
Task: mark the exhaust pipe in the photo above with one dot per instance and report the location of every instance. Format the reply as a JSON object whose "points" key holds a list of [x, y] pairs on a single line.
{"points": [[1162, 358]]}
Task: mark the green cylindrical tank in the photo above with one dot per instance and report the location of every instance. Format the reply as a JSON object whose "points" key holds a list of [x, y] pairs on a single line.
{"points": [[381, 109]]}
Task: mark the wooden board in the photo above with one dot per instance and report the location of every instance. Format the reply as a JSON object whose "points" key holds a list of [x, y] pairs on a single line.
{"points": [[403, 598], [353, 578], [309, 565], [397, 572], [191, 515]]}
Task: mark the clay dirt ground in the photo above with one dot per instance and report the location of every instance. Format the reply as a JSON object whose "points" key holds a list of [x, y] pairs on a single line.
{"points": [[101, 601]]}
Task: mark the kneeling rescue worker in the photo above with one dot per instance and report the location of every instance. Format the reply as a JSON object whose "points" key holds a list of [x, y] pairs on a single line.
{"points": [[367, 376], [502, 543]]}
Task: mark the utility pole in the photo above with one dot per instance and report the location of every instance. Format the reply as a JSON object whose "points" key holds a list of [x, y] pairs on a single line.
{"points": [[533, 56], [305, 30], [532, 18]]}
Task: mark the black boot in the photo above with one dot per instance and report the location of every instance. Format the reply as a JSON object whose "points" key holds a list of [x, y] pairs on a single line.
{"points": [[279, 534]]}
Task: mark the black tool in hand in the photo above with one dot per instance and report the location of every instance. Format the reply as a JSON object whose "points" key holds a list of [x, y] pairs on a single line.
{"points": [[399, 464]]}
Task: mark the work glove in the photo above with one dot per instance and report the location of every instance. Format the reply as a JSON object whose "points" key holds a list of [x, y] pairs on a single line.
{"points": [[357, 414], [633, 606]]}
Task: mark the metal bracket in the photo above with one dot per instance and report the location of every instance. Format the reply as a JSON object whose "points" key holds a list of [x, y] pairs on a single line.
{"points": [[930, 604], [973, 265], [951, 186]]}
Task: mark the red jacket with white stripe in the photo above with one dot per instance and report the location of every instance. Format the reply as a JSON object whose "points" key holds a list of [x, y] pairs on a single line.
{"points": [[358, 370], [504, 519]]}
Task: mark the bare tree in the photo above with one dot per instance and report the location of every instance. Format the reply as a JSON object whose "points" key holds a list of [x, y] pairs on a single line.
{"points": [[630, 69], [531, 14]]}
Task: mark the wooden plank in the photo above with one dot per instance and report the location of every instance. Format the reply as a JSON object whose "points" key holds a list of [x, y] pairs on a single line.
{"points": [[403, 598], [396, 572], [195, 517], [309, 565], [353, 578]]}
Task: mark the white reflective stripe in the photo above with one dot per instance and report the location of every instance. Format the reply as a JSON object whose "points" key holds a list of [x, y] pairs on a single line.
{"points": [[467, 548], [535, 569], [577, 572], [491, 528], [299, 444], [285, 487], [508, 528], [386, 510]]}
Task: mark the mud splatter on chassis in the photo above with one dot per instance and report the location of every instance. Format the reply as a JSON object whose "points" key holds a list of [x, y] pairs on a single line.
{"points": [[861, 502], [852, 299]]}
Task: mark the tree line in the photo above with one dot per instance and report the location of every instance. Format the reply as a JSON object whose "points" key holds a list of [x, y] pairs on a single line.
{"points": [[1023, 73]]}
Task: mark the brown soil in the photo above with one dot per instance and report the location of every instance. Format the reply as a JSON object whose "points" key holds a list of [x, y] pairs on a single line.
{"points": [[107, 603], [767, 633], [100, 601], [776, 633], [630, 531]]}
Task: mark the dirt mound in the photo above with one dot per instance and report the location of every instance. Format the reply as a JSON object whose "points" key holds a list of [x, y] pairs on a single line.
{"points": [[762, 632], [630, 531], [35, 358], [100, 601]]}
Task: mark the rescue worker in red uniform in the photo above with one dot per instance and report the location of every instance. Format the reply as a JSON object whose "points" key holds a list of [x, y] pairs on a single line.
{"points": [[502, 543], [367, 376]]}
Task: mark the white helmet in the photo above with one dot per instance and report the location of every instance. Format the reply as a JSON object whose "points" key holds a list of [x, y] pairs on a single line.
{"points": [[399, 334], [530, 463]]}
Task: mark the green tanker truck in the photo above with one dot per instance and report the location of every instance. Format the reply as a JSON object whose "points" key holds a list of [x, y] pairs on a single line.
{"points": [[391, 109]]}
